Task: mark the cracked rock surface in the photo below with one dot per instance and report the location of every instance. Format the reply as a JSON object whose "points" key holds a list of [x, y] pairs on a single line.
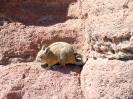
{"points": [[103, 30]]}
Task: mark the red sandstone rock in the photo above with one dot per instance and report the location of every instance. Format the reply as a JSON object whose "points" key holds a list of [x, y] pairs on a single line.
{"points": [[107, 79], [108, 28], [31, 81], [28, 25], [21, 43], [99, 28]]}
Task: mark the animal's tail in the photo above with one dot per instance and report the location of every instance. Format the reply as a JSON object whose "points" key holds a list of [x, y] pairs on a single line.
{"points": [[82, 56]]}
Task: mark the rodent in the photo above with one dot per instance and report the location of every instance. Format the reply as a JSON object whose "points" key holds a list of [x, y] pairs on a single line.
{"points": [[59, 52]]}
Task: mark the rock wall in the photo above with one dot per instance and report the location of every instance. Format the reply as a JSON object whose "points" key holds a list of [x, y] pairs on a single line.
{"points": [[31, 81], [108, 28], [101, 29], [27, 24], [107, 79]]}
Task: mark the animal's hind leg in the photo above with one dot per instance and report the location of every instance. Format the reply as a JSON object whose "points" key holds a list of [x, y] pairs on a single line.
{"points": [[61, 62], [62, 59]]}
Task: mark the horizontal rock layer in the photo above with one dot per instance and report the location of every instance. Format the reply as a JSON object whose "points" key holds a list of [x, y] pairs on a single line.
{"points": [[31, 80], [102, 29], [107, 79]]}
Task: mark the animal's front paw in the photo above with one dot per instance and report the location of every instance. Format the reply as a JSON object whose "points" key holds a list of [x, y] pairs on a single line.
{"points": [[48, 67], [44, 65]]}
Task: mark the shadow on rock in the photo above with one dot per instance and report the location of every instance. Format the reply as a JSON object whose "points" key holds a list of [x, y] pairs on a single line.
{"points": [[66, 70], [39, 13]]}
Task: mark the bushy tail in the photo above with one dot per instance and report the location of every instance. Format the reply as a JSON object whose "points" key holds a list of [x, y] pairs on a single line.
{"points": [[83, 58]]}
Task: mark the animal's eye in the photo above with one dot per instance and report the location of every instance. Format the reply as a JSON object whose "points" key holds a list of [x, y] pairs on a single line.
{"points": [[40, 56]]}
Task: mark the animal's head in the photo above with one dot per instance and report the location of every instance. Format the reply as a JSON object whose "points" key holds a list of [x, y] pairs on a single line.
{"points": [[42, 54]]}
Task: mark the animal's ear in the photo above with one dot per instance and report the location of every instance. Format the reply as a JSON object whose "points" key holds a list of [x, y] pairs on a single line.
{"points": [[46, 51], [44, 46]]}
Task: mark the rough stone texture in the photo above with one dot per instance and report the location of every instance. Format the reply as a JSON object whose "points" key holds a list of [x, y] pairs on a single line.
{"points": [[108, 28], [102, 29], [27, 25], [31, 81], [107, 79], [21, 43]]}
